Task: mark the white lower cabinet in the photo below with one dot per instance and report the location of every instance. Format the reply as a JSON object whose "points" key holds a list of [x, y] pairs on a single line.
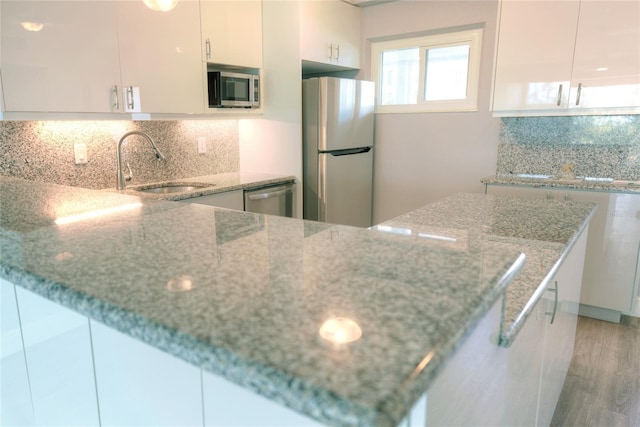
{"points": [[140, 385], [227, 404], [57, 348], [228, 199], [562, 300], [610, 279], [485, 384], [15, 398], [521, 384], [474, 380]]}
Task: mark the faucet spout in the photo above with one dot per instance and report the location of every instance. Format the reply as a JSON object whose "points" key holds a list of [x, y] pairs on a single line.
{"points": [[121, 181]]}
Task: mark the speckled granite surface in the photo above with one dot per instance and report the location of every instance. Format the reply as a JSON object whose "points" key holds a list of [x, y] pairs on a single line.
{"points": [[596, 146], [210, 184], [618, 186], [43, 150], [257, 289], [544, 230]]}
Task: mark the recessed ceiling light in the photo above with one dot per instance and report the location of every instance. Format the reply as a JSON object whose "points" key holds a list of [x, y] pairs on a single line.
{"points": [[161, 5], [32, 26]]}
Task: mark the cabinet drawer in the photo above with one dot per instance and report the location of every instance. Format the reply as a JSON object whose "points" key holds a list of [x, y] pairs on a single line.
{"points": [[229, 199]]}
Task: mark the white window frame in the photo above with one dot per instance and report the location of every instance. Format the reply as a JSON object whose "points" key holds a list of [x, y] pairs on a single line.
{"points": [[470, 103]]}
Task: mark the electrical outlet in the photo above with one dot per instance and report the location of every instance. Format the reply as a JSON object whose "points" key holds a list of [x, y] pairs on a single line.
{"points": [[202, 145], [80, 154]]}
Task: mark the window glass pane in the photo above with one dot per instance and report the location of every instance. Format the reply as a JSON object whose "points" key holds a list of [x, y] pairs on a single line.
{"points": [[446, 73], [400, 76]]}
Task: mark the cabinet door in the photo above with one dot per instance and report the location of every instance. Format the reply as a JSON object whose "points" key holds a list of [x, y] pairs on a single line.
{"points": [[562, 302], [140, 385], [606, 65], [58, 354], [330, 33], [15, 399], [228, 199], [232, 32], [160, 54], [535, 53], [70, 64], [483, 375], [227, 404], [612, 249]]}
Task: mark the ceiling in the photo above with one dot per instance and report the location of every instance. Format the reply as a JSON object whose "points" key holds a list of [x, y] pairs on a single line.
{"points": [[363, 3]]}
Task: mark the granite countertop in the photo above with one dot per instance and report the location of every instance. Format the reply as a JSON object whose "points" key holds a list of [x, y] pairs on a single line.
{"points": [[243, 295], [209, 184], [544, 230], [578, 183]]}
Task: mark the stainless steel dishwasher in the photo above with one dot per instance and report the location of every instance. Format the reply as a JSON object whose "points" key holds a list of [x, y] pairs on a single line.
{"points": [[270, 200]]}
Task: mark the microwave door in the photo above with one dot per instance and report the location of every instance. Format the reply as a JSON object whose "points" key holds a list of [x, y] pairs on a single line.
{"points": [[236, 91]]}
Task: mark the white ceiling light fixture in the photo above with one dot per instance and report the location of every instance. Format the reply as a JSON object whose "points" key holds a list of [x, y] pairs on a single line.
{"points": [[364, 3], [32, 26], [160, 5]]}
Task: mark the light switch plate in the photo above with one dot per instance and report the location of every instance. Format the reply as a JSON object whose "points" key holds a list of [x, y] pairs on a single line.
{"points": [[80, 154], [202, 145]]}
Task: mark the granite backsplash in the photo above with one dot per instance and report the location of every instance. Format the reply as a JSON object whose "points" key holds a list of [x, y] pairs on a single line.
{"points": [[44, 150], [596, 146]]}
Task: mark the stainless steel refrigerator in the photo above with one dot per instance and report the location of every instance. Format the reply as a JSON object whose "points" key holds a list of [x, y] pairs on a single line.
{"points": [[338, 125]]}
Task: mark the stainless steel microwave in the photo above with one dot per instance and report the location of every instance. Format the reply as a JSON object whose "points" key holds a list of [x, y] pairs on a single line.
{"points": [[233, 90]]}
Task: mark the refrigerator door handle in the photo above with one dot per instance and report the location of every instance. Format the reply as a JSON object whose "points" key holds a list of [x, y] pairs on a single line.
{"points": [[349, 151], [322, 188]]}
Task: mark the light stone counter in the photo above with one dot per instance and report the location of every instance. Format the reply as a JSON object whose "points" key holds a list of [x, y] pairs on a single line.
{"points": [[544, 230], [578, 183], [210, 184], [260, 287]]}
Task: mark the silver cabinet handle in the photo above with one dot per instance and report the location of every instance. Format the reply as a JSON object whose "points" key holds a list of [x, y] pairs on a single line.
{"points": [[555, 303], [579, 93], [269, 194], [116, 98], [330, 51], [207, 44], [130, 100], [337, 52], [559, 101]]}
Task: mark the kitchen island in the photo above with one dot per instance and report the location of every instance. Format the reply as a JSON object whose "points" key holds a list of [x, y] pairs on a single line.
{"points": [[240, 297], [614, 235]]}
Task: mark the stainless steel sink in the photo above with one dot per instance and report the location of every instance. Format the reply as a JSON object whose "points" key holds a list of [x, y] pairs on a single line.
{"points": [[168, 188]]}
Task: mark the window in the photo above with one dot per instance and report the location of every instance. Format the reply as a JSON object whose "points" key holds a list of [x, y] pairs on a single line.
{"points": [[429, 73]]}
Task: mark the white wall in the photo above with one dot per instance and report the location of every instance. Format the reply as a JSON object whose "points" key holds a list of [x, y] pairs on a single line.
{"points": [[273, 144], [424, 157]]}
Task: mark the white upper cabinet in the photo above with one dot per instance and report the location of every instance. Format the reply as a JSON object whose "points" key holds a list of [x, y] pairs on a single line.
{"points": [[330, 33], [160, 54], [232, 32], [59, 56], [535, 53], [101, 57], [567, 57], [606, 65]]}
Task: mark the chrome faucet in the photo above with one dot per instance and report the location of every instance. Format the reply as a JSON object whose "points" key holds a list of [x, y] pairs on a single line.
{"points": [[121, 179]]}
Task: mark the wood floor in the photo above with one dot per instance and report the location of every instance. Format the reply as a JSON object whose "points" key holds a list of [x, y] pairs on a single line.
{"points": [[602, 388]]}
